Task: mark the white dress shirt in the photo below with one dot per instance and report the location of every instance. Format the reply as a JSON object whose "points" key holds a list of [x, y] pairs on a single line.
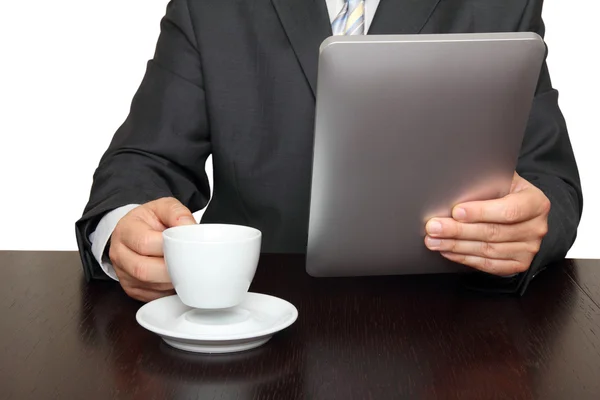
{"points": [[106, 226]]}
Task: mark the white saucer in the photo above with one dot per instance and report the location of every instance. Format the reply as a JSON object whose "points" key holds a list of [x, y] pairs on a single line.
{"points": [[246, 326]]}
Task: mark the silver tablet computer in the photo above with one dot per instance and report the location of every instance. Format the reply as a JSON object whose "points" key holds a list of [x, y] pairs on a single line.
{"points": [[406, 127]]}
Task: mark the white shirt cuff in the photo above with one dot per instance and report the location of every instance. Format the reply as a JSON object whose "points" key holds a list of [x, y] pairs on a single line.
{"points": [[100, 236]]}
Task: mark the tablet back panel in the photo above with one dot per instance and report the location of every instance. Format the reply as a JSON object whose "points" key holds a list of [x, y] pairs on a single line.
{"points": [[407, 127]]}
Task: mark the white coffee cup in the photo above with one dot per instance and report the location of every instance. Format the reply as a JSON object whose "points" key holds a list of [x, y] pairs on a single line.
{"points": [[211, 265]]}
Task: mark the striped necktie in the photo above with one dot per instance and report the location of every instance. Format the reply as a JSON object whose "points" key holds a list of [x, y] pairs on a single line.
{"points": [[351, 20]]}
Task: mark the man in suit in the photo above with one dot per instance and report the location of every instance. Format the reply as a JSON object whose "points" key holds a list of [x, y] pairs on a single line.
{"points": [[236, 79]]}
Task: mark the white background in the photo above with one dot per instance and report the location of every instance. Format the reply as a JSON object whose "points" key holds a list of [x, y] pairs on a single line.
{"points": [[69, 69]]}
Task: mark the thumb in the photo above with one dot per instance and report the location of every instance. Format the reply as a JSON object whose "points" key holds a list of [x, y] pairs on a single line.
{"points": [[519, 184], [171, 212]]}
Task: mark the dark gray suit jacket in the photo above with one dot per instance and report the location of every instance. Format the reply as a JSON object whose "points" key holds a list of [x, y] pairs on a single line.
{"points": [[236, 79]]}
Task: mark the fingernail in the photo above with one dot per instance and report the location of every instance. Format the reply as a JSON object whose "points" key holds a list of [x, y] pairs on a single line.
{"points": [[459, 213], [434, 228], [433, 243], [186, 220]]}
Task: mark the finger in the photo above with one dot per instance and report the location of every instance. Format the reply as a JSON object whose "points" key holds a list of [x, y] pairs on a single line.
{"points": [[515, 181], [491, 266], [171, 212], [146, 295], [519, 183], [448, 228], [127, 280], [517, 251], [139, 236], [148, 216], [511, 209], [141, 268]]}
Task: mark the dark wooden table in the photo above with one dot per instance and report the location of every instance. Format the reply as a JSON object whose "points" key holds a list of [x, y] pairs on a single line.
{"points": [[414, 337]]}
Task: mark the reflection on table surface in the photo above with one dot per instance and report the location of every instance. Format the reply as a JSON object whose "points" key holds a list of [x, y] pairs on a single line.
{"points": [[387, 337]]}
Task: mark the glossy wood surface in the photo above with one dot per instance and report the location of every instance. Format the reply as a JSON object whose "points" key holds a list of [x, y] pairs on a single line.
{"points": [[419, 337]]}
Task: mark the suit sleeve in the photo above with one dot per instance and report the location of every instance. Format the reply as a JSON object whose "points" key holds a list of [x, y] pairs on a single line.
{"points": [[162, 147], [548, 162]]}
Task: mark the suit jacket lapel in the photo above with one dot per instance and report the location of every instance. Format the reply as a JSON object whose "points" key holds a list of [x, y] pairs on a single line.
{"points": [[306, 23], [401, 16]]}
